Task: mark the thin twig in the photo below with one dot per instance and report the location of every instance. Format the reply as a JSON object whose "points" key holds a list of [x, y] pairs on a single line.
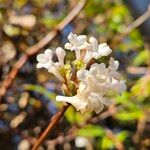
{"points": [[52, 124], [119, 145], [140, 20], [140, 129], [37, 47], [112, 110]]}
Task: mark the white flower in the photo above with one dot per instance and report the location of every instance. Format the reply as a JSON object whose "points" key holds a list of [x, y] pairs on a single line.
{"points": [[81, 142], [88, 56], [113, 66], [118, 86], [95, 103], [45, 60], [103, 50], [95, 50], [99, 50], [94, 86], [61, 55], [78, 102], [75, 43]]}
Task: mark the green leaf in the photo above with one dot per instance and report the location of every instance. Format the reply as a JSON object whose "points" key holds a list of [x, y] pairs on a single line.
{"points": [[41, 90], [122, 136], [107, 143], [91, 131], [128, 116], [135, 38], [123, 98], [142, 88], [142, 58], [70, 115], [76, 117]]}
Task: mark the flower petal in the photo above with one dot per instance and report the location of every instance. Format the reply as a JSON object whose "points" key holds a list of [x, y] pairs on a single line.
{"points": [[68, 46], [78, 102], [72, 38], [113, 64], [104, 50], [41, 58], [39, 65], [61, 55], [81, 74], [94, 43], [81, 39], [87, 57], [95, 103]]}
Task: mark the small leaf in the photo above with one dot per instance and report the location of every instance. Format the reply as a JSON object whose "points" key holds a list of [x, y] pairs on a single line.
{"points": [[142, 88], [122, 136], [41, 90], [91, 131], [123, 98], [142, 58], [107, 143], [128, 116], [70, 115]]}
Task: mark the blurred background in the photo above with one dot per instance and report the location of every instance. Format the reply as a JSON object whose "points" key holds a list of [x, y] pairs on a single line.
{"points": [[29, 103]]}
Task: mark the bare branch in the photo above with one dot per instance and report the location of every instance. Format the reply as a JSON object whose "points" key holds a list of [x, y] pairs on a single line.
{"points": [[52, 124], [118, 38], [138, 21]]}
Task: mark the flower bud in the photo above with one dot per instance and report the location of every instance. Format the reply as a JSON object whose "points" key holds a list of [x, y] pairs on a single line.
{"points": [[61, 55]]}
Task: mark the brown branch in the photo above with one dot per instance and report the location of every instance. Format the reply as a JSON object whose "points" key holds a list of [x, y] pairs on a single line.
{"points": [[112, 110], [52, 124], [140, 129], [37, 47], [61, 139], [119, 145], [136, 23]]}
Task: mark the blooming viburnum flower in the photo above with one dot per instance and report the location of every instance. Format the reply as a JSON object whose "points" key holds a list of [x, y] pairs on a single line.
{"points": [[75, 44], [45, 61], [95, 50], [86, 89]]}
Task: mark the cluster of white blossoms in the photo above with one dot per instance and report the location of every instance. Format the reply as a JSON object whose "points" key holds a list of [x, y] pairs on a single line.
{"points": [[92, 86]]}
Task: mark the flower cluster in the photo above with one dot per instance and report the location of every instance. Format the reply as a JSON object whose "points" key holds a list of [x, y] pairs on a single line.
{"points": [[86, 89], [93, 49]]}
